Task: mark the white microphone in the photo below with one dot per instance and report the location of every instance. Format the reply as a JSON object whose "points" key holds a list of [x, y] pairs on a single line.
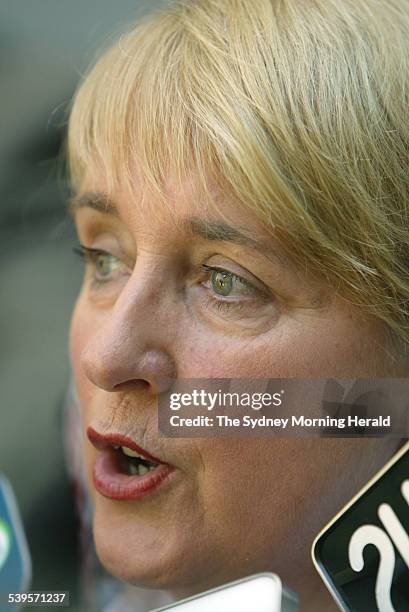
{"points": [[262, 592]]}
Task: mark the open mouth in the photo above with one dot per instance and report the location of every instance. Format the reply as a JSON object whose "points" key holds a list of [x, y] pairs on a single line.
{"points": [[133, 463], [123, 470]]}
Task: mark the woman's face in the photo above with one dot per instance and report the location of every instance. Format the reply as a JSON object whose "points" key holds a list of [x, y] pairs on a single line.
{"points": [[170, 291]]}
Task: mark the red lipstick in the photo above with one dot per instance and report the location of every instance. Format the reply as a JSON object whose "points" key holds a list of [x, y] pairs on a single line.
{"points": [[123, 470]]}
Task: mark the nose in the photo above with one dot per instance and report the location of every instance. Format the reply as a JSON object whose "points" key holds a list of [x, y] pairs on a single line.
{"points": [[128, 350]]}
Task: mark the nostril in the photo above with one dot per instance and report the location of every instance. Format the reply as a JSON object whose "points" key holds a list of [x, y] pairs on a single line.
{"points": [[137, 384], [127, 366]]}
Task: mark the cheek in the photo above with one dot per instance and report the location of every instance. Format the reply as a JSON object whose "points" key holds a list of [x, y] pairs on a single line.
{"points": [[249, 498], [75, 341], [258, 494], [301, 346], [81, 331], [240, 476]]}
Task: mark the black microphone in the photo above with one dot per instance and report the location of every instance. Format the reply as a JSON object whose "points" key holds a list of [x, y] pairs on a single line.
{"points": [[363, 553]]}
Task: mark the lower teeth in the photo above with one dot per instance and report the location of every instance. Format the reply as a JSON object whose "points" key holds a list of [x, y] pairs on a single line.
{"points": [[138, 470]]}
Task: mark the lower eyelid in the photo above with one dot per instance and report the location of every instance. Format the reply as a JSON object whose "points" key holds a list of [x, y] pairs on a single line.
{"points": [[223, 306], [236, 302], [211, 301]]}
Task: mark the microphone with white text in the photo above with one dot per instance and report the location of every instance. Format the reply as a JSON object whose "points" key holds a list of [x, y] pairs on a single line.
{"points": [[363, 553]]}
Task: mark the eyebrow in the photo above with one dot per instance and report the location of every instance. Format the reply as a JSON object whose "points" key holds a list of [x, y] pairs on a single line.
{"points": [[217, 231], [96, 201], [223, 232]]}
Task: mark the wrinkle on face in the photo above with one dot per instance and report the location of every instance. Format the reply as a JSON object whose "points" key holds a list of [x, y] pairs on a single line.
{"points": [[246, 496]]}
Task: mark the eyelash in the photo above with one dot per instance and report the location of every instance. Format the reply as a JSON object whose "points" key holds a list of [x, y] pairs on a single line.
{"points": [[90, 256], [88, 253], [214, 300]]}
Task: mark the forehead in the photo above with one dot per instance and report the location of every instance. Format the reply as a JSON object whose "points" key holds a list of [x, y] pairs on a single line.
{"points": [[184, 208], [133, 196]]}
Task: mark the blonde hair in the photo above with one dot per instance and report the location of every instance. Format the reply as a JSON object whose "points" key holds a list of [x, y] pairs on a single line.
{"points": [[295, 108]]}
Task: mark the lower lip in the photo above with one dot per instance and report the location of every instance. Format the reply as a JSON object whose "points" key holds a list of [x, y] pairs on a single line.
{"points": [[114, 484]]}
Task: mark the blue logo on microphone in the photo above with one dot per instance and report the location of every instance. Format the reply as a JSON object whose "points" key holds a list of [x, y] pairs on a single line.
{"points": [[5, 542]]}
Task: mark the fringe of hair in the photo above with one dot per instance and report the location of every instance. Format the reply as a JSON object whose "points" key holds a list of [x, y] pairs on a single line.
{"points": [[297, 109]]}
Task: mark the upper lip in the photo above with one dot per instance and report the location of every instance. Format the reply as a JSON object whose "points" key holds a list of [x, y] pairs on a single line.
{"points": [[107, 440]]}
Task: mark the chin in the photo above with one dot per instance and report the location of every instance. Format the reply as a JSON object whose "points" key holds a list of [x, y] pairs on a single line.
{"points": [[144, 554], [131, 570], [128, 555]]}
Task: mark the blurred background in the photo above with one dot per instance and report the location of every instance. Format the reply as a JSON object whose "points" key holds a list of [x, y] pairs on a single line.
{"points": [[45, 46]]}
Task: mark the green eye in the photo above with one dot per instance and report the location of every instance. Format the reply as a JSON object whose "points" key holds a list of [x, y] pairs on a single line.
{"points": [[104, 265], [222, 282], [229, 284]]}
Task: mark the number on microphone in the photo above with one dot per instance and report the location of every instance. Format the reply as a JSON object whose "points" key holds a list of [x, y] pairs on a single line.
{"points": [[383, 540]]}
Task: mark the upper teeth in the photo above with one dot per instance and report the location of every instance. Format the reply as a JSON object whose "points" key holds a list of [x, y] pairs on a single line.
{"points": [[131, 453]]}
